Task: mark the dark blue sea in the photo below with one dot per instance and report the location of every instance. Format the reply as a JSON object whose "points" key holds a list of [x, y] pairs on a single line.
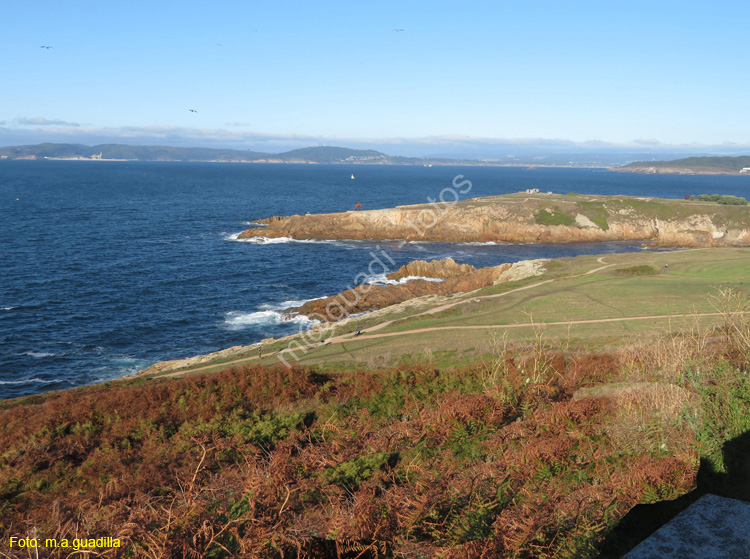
{"points": [[108, 267]]}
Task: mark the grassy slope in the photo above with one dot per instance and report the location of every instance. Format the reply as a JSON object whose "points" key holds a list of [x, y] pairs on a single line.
{"points": [[682, 288], [462, 449], [601, 209]]}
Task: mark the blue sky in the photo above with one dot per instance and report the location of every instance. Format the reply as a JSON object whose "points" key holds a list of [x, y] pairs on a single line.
{"points": [[261, 73]]}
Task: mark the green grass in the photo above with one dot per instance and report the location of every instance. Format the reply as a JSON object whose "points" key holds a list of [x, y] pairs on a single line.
{"points": [[637, 284], [596, 212], [560, 209], [559, 217], [684, 288], [643, 270]]}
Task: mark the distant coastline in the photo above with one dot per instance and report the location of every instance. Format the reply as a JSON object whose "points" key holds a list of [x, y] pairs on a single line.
{"points": [[464, 162], [690, 166], [330, 155], [306, 156]]}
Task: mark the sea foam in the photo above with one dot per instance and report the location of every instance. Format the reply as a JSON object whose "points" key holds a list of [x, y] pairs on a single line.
{"points": [[239, 320], [381, 279], [28, 381], [39, 354], [278, 240]]}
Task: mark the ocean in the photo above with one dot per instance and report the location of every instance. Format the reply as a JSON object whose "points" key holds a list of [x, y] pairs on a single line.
{"points": [[108, 267]]}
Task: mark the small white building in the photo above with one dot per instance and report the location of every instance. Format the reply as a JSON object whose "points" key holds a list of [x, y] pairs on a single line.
{"points": [[745, 170], [532, 191]]}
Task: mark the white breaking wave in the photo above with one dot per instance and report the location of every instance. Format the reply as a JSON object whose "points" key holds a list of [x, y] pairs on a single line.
{"points": [[238, 320], [8, 308], [381, 279], [27, 381], [38, 354], [286, 304], [276, 240]]}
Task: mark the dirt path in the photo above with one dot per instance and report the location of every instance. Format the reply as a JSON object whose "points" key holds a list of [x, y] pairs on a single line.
{"points": [[447, 306], [369, 335], [529, 324], [350, 336]]}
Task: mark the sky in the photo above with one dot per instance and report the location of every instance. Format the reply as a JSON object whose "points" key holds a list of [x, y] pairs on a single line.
{"points": [[266, 75]]}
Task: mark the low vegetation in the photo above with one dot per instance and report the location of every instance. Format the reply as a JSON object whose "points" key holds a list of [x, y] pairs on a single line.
{"points": [[723, 199], [559, 217], [533, 451], [644, 270]]}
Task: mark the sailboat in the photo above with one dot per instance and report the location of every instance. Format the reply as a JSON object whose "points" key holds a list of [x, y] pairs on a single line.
{"points": [[352, 176]]}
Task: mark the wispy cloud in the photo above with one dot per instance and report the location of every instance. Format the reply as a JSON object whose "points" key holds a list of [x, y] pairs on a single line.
{"points": [[40, 121]]}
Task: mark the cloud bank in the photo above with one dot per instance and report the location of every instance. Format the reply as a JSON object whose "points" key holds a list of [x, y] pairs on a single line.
{"points": [[40, 121]]}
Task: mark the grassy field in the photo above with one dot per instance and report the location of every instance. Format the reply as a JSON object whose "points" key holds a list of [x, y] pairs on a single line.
{"points": [[601, 208], [591, 303], [683, 287]]}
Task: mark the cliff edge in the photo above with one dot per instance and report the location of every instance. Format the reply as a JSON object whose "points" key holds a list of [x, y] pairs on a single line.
{"points": [[528, 218]]}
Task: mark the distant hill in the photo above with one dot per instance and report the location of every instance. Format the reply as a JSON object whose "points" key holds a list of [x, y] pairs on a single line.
{"points": [[121, 151], [322, 154], [330, 154], [692, 165], [341, 155], [318, 154]]}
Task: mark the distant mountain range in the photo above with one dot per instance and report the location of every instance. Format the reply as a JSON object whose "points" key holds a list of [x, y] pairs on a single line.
{"points": [[324, 154], [692, 165], [341, 155], [320, 154]]}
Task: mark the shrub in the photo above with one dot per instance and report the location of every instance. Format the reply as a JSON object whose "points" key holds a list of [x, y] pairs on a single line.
{"points": [[723, 199]]}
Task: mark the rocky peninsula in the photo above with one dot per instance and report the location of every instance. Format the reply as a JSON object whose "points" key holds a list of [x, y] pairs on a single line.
{"points": [[690, 166], [416, 279], [528, 218]]}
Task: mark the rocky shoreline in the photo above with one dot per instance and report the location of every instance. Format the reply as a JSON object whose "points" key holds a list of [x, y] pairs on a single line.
{"points": [[527, 218], [514, 218], [455, 278]]}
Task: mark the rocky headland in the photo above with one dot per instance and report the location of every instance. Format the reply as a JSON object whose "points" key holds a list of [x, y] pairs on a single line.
{"points": [[528, 218], [456, 278], [672, 170], [702, 165]]}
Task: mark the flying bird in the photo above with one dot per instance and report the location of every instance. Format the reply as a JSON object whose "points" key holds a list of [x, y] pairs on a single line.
{"points": [[398, 30], [192, 110], [45, 47]]}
